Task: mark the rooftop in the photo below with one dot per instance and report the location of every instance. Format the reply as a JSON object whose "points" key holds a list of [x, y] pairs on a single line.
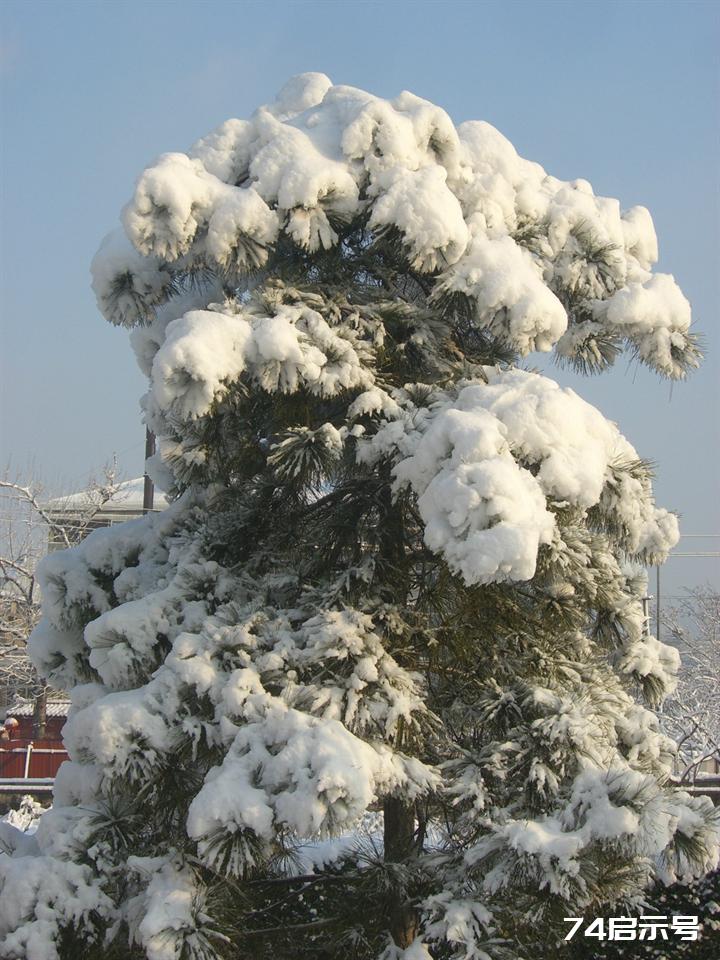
{"points": [[128, 498], [26, 708]]}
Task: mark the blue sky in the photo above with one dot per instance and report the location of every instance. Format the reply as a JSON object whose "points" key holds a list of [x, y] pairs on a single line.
{"points": [[623, 94]]}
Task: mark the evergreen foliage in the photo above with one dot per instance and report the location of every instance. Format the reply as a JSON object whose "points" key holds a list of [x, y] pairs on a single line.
{"points": [[699, 898], [372, 685]]}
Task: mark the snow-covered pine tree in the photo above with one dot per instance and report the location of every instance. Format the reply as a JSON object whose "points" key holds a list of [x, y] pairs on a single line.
{"points": [[370, 686]]}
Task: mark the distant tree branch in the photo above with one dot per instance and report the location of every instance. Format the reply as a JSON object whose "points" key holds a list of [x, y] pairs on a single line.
{"points": [[27, 527]]}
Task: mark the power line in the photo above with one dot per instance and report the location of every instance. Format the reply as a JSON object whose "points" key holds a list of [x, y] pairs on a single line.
{"points": [[697, 554], [678, 596]]}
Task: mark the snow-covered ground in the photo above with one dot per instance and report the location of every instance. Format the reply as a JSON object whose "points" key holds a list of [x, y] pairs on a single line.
{"points": [[26, 816]]}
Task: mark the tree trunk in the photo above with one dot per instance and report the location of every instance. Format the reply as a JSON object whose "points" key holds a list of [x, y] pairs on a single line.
{"points": [[399, 816], [399, 843], [40, 715]]}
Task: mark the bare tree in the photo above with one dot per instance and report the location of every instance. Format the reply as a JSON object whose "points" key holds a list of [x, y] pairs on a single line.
{"points": [[30, 525], [692, 714]]}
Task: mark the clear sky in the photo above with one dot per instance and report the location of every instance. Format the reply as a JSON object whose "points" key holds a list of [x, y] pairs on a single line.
{"points": [[623, 94]]}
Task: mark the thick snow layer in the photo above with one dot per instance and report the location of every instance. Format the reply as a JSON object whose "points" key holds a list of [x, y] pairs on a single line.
{"points": [[39, 895], [295, 771], [648, 658], [489, 226], [203, 351], [511, 298], [127, 284], [486, 459], [654, 314], [164, 917]]}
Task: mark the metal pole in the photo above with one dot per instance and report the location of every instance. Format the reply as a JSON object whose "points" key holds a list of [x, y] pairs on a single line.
{"points": [[148, 488], [657, 603]]}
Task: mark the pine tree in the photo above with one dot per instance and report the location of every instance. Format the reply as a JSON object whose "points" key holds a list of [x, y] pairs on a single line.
{"points": [[373, 684]]}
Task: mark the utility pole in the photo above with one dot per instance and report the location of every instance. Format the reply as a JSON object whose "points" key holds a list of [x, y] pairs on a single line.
{"points": [[646, 615], [148, 486], [685, 553]]}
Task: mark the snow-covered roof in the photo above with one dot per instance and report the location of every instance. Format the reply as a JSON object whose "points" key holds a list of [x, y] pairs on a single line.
{"points": [[26, 708], [128, 498]]}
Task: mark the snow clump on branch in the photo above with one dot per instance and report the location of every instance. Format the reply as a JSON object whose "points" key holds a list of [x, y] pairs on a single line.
{"points": [[539, 262]]}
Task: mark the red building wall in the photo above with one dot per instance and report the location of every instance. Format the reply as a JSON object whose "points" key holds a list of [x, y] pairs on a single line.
{"points": [[43, 763]]}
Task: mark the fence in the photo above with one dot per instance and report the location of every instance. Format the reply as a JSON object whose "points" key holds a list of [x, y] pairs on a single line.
{"points": [[30, 768]]}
